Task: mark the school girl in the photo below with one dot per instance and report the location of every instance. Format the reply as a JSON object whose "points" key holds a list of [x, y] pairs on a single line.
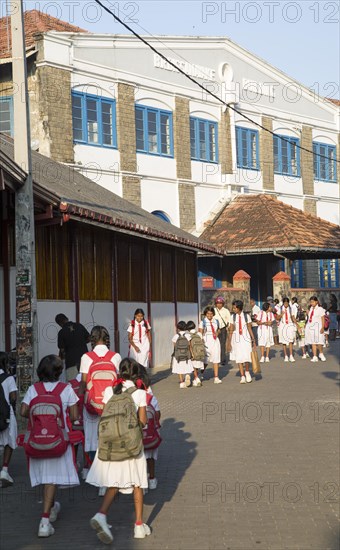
{"points": [[100, 343], [197, 365], [265, 321], [183, 367], [127, 476], [51, 472], [287, 329], [8, 436], [241, 340], [143, 382], [315, 329], [301, 327], [139, 334], [209, 327]]}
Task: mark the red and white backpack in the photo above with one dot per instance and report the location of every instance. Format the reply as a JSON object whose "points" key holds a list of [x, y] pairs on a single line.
{"points": [[102, 373], [46, 436], [151, 435]]}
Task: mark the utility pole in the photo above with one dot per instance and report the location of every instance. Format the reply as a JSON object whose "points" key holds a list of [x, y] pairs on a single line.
{"points": [[26, 297]]}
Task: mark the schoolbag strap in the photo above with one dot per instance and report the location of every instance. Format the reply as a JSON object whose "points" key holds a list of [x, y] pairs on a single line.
{"points": [[3, 377], [40, 388], [109, 356], [148, 398], [58, 390], [92, 355], [131, 390]]}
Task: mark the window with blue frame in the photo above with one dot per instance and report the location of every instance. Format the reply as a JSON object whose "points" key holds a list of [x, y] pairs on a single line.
{"points": [[296, 274], [6, 115], [247, 148], [286, 156], [94, 120], [154, 135], [329, 273], [324, 162], [203, 140]]}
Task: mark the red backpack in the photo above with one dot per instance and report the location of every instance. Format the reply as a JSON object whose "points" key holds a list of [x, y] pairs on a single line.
{"points": [[76, 387], [151, 435], [101, 375], [46, 436]]}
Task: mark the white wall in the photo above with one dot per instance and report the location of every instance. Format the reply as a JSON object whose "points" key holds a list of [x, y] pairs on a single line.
{"points": [[188, 312], [156, 166], [163, 325], [328, 211], [160, 195]]}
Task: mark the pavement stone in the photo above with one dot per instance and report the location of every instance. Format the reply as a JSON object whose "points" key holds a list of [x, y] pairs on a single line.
{"points": [[241, 467]]}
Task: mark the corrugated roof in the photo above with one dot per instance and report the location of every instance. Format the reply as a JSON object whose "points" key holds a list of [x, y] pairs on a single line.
{"points": [[74, 194], [35, 22], [255, 224]]}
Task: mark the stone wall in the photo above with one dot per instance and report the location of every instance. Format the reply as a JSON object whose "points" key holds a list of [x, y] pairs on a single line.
{"points": [[182, 138], [267, 154], [224, 143], [126, 128], [187, 208], [54, 130]]}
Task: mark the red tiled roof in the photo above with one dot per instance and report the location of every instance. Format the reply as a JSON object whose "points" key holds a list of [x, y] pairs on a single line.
{"points": [[281, 276], [255, 224], [241, 275], [35, 22], [335, 101]]}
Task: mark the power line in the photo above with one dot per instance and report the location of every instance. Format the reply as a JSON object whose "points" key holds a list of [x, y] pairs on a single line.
{"points": [[229, 105]]}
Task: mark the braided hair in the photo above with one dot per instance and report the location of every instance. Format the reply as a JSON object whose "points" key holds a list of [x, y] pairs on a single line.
{"points": [[98, 335]]}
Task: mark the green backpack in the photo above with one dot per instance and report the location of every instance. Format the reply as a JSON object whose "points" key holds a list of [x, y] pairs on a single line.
{"points": [[119, 432]]}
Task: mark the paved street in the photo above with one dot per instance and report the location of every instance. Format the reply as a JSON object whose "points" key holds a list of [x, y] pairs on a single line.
{"points": [[252, 466]]}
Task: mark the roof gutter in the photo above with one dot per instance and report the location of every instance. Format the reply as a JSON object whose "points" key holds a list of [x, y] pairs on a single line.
{"points": [[74, 211]]}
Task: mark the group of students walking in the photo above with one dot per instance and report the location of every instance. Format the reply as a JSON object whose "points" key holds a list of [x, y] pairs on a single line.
{"points": [[111, 399], [118, 412]]}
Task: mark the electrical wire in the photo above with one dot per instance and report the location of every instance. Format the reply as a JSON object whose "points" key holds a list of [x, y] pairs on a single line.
{"points": [[207, 91]]}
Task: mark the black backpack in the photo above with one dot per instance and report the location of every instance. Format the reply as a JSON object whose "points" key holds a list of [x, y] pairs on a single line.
{"points": [[182, 349], [5, 408]]}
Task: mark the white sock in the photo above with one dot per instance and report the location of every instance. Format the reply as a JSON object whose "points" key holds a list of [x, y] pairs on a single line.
{"points": [[45, 521], [5, 469]]}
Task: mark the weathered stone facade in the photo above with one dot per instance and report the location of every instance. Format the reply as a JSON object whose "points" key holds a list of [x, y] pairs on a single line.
{"points": [[182, 138], [126, 128], [267, 154], [309, 205], [131, 189], [224, 143], [187, 210], [55, 113], [307, 170]]}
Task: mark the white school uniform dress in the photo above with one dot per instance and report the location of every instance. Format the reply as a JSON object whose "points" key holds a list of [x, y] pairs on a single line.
{"points": [[265, 333], [241, 344], [91, 421], [9, 436], [212, 342], [314, 325], [153, 453], [181, 367], [141, 340], [287, 329], [197, 364], [126, 474], [61, 470]]}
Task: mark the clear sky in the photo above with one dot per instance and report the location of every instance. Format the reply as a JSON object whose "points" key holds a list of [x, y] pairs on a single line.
{"points": [[301, 38]]}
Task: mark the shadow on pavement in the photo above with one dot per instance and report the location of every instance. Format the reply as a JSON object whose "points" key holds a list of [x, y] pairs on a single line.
{"points": [[178, 453]]}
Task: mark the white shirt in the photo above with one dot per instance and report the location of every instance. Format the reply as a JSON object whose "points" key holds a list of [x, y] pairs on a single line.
{"points": [[101, 351], [139, 327], [206, 325], [139, 396], [180, 333], [286, 319], [318, 313], [255, 311], [223, 316]]}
